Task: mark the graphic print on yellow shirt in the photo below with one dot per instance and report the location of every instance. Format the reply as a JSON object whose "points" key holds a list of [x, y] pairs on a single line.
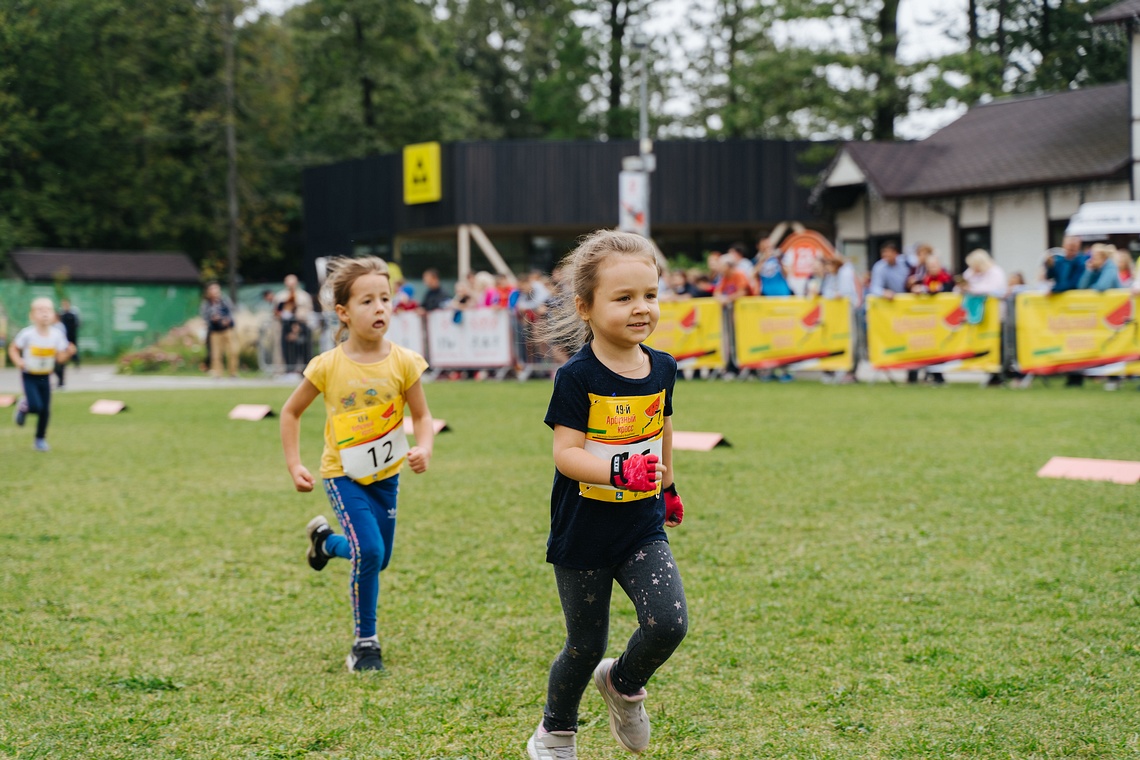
{"points": [[623, 425], [364, 412]]}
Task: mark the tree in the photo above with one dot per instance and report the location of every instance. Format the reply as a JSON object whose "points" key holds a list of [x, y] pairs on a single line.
{"points": [[531, 65], [768, 78], [107, 125], [372, 78], [1026, 46]]}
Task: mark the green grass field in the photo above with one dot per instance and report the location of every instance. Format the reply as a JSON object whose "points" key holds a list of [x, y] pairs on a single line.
{"points": [[872, 572]]}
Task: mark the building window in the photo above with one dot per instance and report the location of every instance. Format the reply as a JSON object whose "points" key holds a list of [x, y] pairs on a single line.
{"points": [[875, 242], [969, 239], [1057, 229], [855, 251]]}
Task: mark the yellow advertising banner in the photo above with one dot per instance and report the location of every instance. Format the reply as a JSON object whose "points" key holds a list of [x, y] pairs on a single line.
{"points": [[1077, 331], [692, 332], [810, 333], [944, 332]]}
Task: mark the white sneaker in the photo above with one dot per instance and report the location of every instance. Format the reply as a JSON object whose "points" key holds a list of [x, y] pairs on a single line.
{"points": [[1111, 385], [628, 721], [551, 745]]}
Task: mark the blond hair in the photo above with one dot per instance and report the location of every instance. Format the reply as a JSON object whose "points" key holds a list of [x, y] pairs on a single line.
{"points": [[342, 273], [980, 260], [564, 328]]}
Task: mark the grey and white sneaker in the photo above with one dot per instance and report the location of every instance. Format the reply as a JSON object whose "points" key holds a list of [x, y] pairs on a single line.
{"points": [[365, 655], [20, 413], [318, 530], [628, 721], [551, 745]]}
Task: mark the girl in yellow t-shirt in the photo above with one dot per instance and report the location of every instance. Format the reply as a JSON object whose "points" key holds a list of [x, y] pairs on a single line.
{"points": [[366, 381]]}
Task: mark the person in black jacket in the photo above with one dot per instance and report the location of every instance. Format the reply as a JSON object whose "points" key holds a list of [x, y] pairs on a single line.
{"points": [[69, 320]]}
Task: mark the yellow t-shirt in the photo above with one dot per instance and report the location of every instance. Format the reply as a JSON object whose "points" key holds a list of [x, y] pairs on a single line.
{"points": [[373, 394]]}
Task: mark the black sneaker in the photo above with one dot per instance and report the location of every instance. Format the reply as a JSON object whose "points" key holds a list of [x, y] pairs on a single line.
{"points": [[365, 655], [318, 530]]}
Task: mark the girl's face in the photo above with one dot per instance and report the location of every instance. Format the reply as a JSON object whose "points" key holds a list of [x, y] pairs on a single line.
{"points": [[42, 314], [369, 309], [625, 309]]}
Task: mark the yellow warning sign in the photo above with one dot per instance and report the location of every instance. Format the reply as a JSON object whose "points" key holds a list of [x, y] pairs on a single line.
{"points": [[423, 181]]}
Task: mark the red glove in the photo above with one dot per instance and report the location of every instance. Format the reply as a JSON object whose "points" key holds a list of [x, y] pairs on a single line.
{"points": [[638, 472], [674, 509]]}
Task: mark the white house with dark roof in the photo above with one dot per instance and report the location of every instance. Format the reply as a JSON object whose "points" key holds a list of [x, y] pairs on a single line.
{"points": [[1006, 177]]}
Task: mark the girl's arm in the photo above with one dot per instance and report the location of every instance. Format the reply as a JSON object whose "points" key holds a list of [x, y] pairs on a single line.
{"points": [[16, 356], [674, 508], [291, 413], [573, 461], [419, 456]]}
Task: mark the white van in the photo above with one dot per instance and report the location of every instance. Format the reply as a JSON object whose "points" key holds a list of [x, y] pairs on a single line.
{"points": [[1096, 221]]}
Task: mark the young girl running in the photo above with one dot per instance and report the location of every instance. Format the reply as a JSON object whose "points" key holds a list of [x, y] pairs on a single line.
{"points": [[613, 491], [366, 380]]}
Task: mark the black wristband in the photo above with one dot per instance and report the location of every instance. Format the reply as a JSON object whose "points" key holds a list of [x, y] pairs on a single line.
{"points": [[615, 470], [671, 489]]}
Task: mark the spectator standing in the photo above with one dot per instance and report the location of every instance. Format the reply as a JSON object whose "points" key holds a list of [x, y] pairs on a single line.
{"points": [[1124, 267], [679, 286], [916, 260], [1065, 267], [69, 321], [294, 309], [934, 278], [839, 281], [889, 274], [770, 271], [731, 283], [435, 297], [984, 277], [218, 313], [1100, 270]]}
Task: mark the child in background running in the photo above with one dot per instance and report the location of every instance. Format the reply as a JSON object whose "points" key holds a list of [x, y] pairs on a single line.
{"points": [[366, 380], [613, 491], [35, 351]]}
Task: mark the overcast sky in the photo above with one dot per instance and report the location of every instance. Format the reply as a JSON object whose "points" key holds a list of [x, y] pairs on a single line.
{"points": [[922, 26]]}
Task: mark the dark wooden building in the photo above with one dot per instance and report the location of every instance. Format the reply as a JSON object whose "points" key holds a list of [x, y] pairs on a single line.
{"points": [[534, 198]]}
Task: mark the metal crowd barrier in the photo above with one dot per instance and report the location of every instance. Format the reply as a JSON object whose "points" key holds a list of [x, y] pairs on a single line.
{"points": [[498, 343]]}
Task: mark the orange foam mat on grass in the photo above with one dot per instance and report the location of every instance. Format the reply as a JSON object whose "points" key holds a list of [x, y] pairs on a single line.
{"points": [[1076, 468], [697, 441], [107, 406], [251, 412], [438, 425]]}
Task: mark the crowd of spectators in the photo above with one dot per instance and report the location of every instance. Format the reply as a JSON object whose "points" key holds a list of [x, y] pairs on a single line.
{"points": [[763, 270]]}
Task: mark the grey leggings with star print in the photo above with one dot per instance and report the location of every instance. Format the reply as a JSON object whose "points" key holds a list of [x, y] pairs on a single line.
{"points": [[652, 582]]}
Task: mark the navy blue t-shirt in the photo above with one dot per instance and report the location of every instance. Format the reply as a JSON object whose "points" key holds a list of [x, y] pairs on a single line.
{"points": [[587, 534]]}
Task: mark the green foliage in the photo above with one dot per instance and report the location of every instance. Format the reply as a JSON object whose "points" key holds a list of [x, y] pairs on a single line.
{"points": [[112, 120], [1028, 46], [373, 78], [892, 581]]}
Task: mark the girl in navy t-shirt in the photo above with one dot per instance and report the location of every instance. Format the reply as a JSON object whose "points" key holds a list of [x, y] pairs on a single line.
{"points": [[613, 491]]}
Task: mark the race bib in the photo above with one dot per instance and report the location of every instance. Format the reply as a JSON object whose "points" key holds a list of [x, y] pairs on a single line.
{"points": [[39, 360], [372, 442], [623, 425]]}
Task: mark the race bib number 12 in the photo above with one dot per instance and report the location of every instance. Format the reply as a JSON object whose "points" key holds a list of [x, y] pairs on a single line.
{"points": [[372, 442]]}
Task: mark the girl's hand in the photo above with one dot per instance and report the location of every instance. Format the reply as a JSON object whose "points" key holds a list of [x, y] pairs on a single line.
{"points": [[302, 479], [674, 509], [418, 459]]}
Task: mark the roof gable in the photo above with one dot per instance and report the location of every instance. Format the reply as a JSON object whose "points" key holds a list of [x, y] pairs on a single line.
{"points": [[1072, 136], [45, 265]]}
